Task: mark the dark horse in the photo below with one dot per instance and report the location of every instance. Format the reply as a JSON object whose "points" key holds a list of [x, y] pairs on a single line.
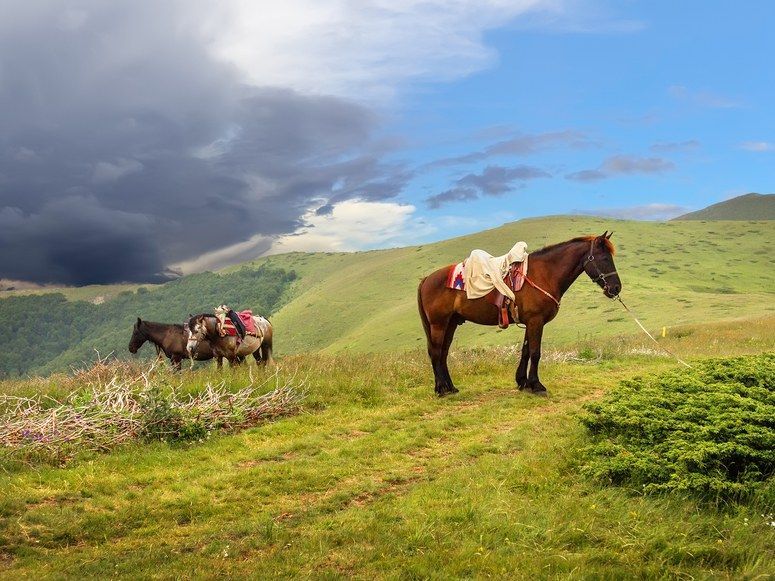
{"points": [[205, 328], [551, 271], [168, 338]]}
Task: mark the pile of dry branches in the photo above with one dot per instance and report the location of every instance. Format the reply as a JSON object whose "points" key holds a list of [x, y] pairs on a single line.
{"points": [[125, 407]]}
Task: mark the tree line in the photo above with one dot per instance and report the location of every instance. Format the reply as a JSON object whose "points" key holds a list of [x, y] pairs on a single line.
{"points": [[41, 334]]}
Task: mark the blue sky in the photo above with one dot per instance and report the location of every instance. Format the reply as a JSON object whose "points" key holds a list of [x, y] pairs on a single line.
{"points": [[687, 85], [140, 139]]}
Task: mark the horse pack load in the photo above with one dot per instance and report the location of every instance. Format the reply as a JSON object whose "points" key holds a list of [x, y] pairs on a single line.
{"points": [[496, 278], [235, 324]]}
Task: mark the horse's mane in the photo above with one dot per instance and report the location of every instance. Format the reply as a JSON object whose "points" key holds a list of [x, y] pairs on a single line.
{"points": [[547, 249]]}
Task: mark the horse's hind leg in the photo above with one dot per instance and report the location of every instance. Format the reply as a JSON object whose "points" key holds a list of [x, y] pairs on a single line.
{"points": [[436, 339], [448, 336], [534, 334], [521, 376]]}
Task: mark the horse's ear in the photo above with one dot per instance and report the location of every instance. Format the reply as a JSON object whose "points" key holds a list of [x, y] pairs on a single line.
{"points": [[138, 320], [604, 234], [609, 236]]}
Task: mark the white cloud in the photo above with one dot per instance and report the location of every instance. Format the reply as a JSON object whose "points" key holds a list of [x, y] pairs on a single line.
{"points": [[356, 225], [654, 211], [757, 146], [351, 225], [251, 248], [702, 98], [357, 48]]}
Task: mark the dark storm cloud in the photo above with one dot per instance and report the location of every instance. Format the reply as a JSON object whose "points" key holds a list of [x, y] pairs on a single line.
{"points": [[124, 147], [493, 181]]}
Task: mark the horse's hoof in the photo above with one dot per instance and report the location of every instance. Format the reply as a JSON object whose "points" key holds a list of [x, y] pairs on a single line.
{"points": [[538, 390]]}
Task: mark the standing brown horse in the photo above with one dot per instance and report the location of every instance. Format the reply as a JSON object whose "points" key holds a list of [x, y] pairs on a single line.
{"points": [[551, 271]]}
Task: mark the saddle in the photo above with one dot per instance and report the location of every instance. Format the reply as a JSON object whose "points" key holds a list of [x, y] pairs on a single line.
{"points": [[507, 309]]}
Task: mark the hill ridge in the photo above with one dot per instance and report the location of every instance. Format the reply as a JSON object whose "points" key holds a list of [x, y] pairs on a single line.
{"points": [[751, 206]]}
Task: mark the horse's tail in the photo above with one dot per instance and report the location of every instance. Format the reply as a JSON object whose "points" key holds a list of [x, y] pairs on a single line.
{"points": [[266, 346], [426, 324]]}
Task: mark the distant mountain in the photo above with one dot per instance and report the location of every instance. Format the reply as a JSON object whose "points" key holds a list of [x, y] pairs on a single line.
{"points": [[747, 207]]}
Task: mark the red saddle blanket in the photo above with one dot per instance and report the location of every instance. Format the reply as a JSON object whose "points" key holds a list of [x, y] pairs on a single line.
{"points": [[247, 319], [228, 328]]}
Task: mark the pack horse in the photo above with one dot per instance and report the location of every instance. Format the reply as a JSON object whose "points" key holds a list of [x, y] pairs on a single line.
{"points": [[552, 270], [226, 339]]}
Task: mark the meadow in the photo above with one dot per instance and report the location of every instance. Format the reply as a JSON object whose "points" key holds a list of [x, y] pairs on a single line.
{"points": [[673, 273], [377, 478], [374, 477]]}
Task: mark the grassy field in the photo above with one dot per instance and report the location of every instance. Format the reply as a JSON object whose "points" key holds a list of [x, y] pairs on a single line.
{"points": [[379, 479], [747, 207], [673, 273], [93, 293]]}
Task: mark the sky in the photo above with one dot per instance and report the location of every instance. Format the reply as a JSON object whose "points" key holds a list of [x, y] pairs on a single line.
{"points": [[140, 140]]}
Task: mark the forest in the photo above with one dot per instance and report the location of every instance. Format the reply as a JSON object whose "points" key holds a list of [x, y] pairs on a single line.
{"points": [[45, 333]]}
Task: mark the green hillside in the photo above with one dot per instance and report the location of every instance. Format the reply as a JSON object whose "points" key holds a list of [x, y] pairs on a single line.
{"points": [[673, 273], [747, 207], [94, 293]]}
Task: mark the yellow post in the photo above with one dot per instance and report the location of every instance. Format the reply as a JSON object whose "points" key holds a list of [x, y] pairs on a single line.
{"points": [[664, 331]]}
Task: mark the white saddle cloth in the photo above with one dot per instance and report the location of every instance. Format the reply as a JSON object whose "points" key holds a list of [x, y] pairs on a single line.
{"points": [[484, 272]]}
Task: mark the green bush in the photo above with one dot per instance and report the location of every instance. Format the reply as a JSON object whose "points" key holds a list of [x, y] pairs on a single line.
{"points": [[707, 431]]}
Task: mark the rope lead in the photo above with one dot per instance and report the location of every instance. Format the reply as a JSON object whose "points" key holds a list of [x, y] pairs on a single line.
{"points": [[665, 349]]}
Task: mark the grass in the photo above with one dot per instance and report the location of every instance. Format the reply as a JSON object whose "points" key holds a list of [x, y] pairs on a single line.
{"points": [[379, 479], [674, 273], [96, 293], [746, 207], [702, 277]]}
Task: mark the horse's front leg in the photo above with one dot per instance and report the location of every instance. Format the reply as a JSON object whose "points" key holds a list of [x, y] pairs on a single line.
{"points": [[521, 375], [535, 331], [219, 362]]}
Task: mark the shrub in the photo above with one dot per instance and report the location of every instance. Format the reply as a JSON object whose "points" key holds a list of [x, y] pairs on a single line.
{"points": [[707, 431]]}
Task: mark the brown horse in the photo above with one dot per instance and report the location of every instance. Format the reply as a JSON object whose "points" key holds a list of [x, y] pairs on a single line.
{"points": [[551, 271], [205, 328], [168, 338]]}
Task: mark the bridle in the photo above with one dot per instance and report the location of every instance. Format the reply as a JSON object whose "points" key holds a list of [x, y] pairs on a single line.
{"points": [[193, 338], [600, 275]]}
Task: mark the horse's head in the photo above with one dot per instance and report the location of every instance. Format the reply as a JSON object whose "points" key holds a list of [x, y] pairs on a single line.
{"points": [[195, 330], [599, 265], [138, 337]]}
